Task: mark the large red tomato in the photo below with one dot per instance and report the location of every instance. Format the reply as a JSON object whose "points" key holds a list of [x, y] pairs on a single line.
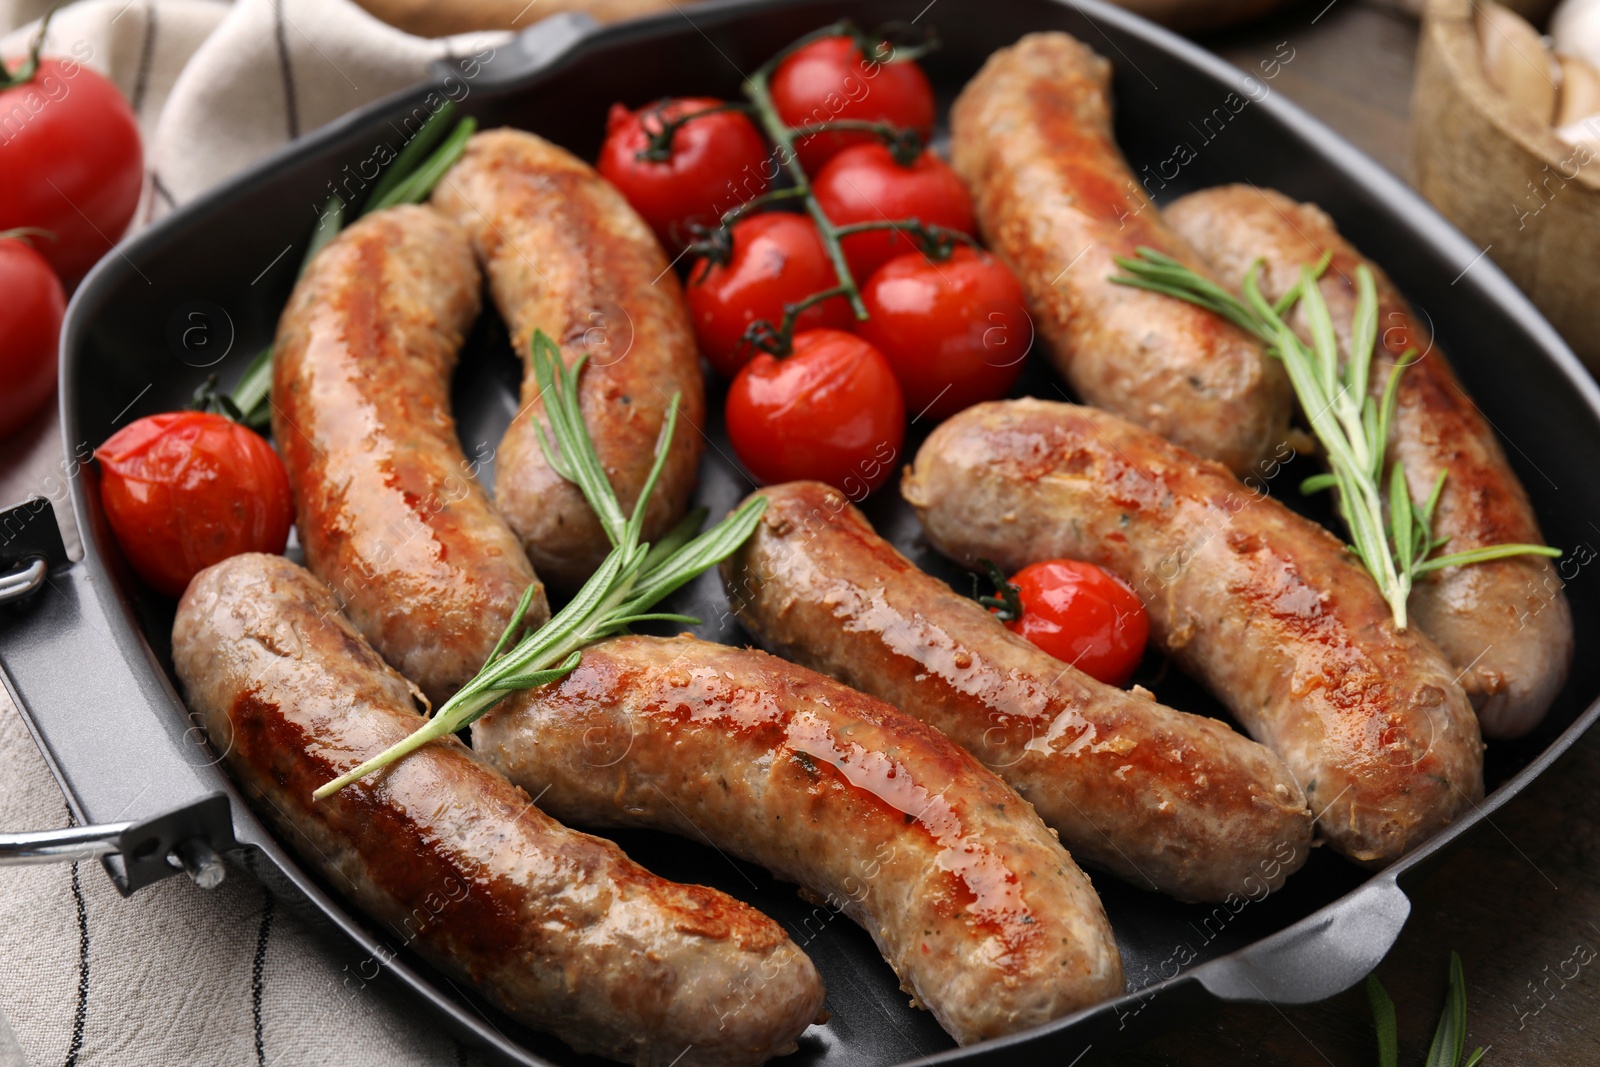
{"points": [[188, 489], [954, 331], [1082, 615], [30, 326], [865, 184], [713, 163], [830, 411], [70, 162], [830, 79], [778, 259]]}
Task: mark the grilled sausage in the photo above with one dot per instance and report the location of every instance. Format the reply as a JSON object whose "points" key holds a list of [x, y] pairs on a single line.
{"points": [[558, 928], [566, 254], [1031, 136], [978, 908], [1264, 607], [386, 503], [1168, 801], [1505, 624]]}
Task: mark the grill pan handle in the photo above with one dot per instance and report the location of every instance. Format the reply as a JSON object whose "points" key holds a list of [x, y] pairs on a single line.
{"points": [[139, 779], [1317, 957], [534, 48]]}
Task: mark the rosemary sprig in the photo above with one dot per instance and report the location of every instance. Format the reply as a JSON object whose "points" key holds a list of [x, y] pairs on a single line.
{"points": [[408, 179], [634, 577], [1449, 1039], [1352, 427]]}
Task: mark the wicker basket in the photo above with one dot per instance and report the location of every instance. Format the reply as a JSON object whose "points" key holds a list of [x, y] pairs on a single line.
{"points": [[1511, 185]]}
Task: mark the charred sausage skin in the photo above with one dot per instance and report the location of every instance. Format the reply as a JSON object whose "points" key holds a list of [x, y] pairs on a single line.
{"points": [[1168, 801], [979, 909], [558, 928], [1031, 136], [1505, 624], [386, 503], [565, 254], [1261, 605]]}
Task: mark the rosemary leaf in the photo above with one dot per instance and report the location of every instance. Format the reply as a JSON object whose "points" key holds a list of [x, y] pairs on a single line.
{"points": [[1337, 401], [630, 581], [1383, 1021], [1450, 1039]]}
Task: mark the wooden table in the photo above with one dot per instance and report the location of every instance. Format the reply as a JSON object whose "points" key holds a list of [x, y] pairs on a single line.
{"points": [[1520, 900]]}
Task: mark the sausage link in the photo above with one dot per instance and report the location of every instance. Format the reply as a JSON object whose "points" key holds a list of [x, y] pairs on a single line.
{"points": [[387, 506], [1505, 624], [1173, 802], [566, 254], [558, 928], [1264, 607], [978, 908], [1031, 136]]}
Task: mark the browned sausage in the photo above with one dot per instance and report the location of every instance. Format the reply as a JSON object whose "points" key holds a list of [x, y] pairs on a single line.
{"points": [[1505, 624], [981, 912], [386, 503], [1031, 136], [1169, 801], [558, 928], [566, 254], [1264, 607]]}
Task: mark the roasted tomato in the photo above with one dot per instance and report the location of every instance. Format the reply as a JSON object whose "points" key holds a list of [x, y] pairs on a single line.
{"points": [[1080, 614], [865, 184], [829, 411], [954, 331], [712, 163], [777, 259], [70, 161], [30, 326], [187, 489], [830, 79]]}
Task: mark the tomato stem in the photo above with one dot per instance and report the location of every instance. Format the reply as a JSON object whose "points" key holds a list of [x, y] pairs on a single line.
{"points": [[1007, 604], [22, 233], [30, 66], [659, 147]]}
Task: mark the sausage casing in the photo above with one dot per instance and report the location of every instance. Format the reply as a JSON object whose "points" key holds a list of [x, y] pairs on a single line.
{"points": [[1505, 624], [1031, 136], [1264, 607], [1168, 801], [566, 254], [979, 909], [386, 503], [560, 929]]}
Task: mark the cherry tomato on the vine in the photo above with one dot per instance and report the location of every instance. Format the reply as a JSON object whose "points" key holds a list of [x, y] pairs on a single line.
{"points": [[1083, 615], [829, 411], [70, 162], [831, 79], [188, 489], [30, 326], [716, 162], [954, 331], [778, 259], [865, 184]]}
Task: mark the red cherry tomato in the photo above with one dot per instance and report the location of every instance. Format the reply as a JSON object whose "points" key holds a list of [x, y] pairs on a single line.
{"points": [[830, 411], [187, 489], [717, 162], [777, 259], [864, 184], [30, 326], [830, 79], [955, 331], [1082, 615], [70, 162]]}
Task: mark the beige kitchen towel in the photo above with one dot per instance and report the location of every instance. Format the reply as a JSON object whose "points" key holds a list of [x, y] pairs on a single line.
{"points": [[175, 975]]}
